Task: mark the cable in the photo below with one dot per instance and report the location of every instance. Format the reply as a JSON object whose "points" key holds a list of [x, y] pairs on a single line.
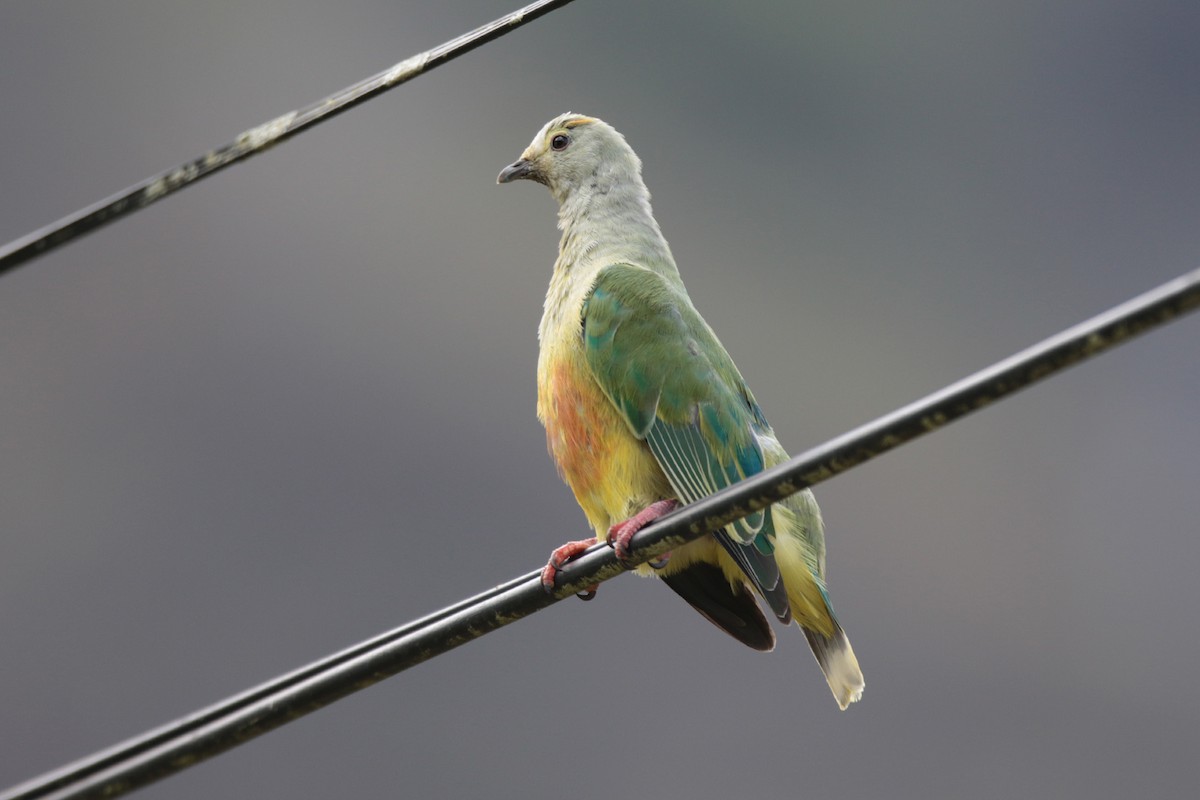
{"points": [[257, 139], [191, 739]]}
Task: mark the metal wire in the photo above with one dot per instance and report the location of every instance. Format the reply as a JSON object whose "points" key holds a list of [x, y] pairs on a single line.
{"points": [[225, 725], [257, 139]]}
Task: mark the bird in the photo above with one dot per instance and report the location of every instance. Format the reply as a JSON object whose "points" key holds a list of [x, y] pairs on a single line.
{"points": [[644, 410]]}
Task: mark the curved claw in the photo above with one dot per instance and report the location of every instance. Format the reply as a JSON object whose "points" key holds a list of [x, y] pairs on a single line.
{"points": [[621, 535], [559, 557], [619, 542]]}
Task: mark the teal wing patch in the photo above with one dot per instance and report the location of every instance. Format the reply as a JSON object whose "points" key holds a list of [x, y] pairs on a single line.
{"points": [[695, 471], [662, 367]]}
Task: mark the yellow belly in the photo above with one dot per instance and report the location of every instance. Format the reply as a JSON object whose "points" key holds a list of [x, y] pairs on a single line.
{"points": [[612, 473]]}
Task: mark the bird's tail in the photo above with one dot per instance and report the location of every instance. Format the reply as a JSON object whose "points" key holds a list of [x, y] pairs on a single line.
{"points": [[800, 553], [836, 657]]}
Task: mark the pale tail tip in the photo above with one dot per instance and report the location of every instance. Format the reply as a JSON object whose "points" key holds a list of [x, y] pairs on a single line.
{"points": [[844, 676], [838, 662], [848, 695]]}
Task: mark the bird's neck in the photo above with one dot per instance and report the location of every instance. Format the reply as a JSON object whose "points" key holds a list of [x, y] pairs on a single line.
{"points": [[610, 220]]}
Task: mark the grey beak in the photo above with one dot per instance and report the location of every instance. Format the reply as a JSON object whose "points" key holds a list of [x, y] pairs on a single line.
{"points": [[516, 171]]}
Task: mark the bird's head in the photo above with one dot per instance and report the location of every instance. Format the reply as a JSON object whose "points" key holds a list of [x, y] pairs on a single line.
{"points": [[573, 152]]}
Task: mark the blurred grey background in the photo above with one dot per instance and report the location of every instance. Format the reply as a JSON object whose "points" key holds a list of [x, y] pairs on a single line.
{"points": [[293, 406]]}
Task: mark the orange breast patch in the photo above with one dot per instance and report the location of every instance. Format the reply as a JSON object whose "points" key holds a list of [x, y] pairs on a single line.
{"points": [[580, 426]]}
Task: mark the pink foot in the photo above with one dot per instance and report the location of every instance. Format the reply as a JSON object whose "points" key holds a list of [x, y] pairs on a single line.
{"points": [[561, 556], [621, 534]]}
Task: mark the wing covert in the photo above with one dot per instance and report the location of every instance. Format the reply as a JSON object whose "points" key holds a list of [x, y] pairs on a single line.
{"points": [[662, 367]]}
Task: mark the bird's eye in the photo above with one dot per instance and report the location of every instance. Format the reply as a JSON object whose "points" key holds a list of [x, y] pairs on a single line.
{"points": [[560, 141]]}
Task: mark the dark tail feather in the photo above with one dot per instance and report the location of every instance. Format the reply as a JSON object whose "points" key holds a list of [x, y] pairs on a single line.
{"points": [[762, 571], [733, 610]]}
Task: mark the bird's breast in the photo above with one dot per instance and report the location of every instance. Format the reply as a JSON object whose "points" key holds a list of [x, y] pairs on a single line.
{"points": [[609, 470]]}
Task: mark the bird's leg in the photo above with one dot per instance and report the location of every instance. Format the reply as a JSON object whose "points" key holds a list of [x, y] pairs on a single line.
{"points": [[562, 555], [621, 534]]}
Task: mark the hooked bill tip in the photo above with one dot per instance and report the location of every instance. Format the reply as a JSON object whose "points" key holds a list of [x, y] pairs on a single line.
{"points": [[515, 171]]}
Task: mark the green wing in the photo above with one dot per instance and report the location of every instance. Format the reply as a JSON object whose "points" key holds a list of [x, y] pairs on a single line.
{"points": [[662, 367]]}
